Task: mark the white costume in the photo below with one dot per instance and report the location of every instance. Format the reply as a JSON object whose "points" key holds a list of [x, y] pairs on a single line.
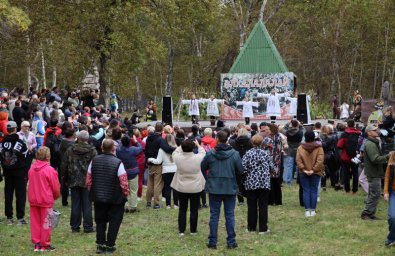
{"points": [[293, 106], [247, 107], [212, 106], [193, 109], [273, 103], [345, 111], [308, 108]]}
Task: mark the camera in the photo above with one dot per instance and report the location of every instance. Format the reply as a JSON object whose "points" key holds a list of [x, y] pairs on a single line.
{"points": [[356, 160]]}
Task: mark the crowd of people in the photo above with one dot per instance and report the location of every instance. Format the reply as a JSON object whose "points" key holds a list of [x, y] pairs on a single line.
{"points": [[64, 143]]}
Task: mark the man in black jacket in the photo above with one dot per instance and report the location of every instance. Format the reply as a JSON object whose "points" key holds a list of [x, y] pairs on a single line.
{"points": [[155, 182], [294, 133], [13, 156], [107, 182]]}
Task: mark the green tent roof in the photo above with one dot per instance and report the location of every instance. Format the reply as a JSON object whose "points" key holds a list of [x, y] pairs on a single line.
{"points": [[259, 54]]}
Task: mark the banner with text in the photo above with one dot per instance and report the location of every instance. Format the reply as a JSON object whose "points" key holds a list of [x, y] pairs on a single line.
{"points": [[235, 87]]}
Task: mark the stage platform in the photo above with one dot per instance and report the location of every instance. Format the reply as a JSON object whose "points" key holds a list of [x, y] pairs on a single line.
{"points": [[230, 123]]}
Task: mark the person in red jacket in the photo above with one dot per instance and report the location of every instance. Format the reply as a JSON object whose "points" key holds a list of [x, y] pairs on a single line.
{"points": [[208, 142], [140, 161], [348, 168], [44, 189], [3, 124]]}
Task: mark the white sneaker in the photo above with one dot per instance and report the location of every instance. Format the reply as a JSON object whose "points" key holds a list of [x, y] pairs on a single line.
{"points": [[139, 199], [175, 206], [168, 207], [265, 232], [307, 214], [181, 234], [313, 213], [193, 234], [318, 199]]}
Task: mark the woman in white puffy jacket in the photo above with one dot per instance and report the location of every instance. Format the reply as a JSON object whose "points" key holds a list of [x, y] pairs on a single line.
{"points": [[168, 170]]}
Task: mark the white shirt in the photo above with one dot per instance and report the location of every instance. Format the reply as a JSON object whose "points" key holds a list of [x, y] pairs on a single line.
{"points": [[247, 107], [212, 106], [193, 106]]}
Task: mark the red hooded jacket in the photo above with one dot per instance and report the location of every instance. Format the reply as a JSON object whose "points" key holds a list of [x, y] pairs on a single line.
{"points": [[58, 131], [341, 144], [44, 187]]}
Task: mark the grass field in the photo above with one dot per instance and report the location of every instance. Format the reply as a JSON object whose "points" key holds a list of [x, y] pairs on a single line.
{"points": [[336, 230]]}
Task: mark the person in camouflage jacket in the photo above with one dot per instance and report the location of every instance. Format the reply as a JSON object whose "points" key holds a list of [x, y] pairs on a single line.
{"points": [[75, 165]]}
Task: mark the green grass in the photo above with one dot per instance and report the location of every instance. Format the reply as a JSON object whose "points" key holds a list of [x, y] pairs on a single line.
{"points": [[336, 230]]}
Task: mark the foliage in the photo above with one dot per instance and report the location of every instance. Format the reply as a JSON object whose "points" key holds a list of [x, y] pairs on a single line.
{"points": [[336, 230], [179, 47]]}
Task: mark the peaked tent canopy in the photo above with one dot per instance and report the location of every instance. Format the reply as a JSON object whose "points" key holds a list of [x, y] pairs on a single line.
{"points": [[259, 54]]}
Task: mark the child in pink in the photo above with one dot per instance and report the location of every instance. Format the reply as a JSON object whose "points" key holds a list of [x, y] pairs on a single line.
{"points": [[43, 190]]}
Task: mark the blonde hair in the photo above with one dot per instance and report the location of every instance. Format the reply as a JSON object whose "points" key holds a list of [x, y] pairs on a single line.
{"points": [[171, 140], [327, 129], [256, 140], [167, 129], [43, 154], [391, 160], [242, 132], [208, 132]]}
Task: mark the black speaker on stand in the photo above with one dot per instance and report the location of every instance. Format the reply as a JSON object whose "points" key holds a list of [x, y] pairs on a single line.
{"points": [[301, 113], [167, 110]]}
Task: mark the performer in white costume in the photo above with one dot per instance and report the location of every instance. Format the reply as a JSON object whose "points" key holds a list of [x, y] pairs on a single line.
{"points": [[273, 104], [247, 109], [193, 109], [344, 111], [212, 108], [293, 105]]}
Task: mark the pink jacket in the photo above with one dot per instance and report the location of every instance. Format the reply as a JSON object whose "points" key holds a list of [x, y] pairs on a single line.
{"points": [[44, 187]]}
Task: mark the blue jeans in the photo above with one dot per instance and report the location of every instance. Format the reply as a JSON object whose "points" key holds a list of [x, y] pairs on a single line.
{"points": [[215, 202], [289, 163], [391, 217], [310, 190]]}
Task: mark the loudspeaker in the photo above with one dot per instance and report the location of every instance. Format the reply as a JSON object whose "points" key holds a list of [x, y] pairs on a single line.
{"points": [[167, 110], [301, 113]]}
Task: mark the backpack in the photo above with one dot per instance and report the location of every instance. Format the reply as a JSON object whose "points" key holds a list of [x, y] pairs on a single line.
{"points": [[352, 145], [53, 143], [206, 147]]}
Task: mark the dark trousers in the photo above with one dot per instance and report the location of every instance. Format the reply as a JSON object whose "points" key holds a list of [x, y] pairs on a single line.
{"points": [[257, 198], [275, 194], [167, 179], [194, 212], [111, 214], [194, 119], [350, 170], [273, 118], [247, 120], [203, 198], [15, 182], [64, 190], [80, 202]]}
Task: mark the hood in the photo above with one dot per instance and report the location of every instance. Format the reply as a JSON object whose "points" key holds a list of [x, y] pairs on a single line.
{"points": [[11, 138], [207, 140], [223, 151], [350, 130], [243, 140], [52, 129], [3, 115], [292, 131], [373, 139], [310, 146], [38, 165], [82, 148]]}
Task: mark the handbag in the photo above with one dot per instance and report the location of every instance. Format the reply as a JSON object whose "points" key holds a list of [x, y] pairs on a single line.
{"points": [[53, 218]]}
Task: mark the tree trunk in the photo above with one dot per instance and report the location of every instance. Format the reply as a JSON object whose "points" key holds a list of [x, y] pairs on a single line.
{"points": [[54, 76], [43, 66], [376, 68], [352, 74], [262, 10], [103, 78], [28, 68], [385, 57], [170, 71], [335, 62], [139, 95]]}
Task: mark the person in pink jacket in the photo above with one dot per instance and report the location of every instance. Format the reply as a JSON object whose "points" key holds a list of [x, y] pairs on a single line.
{"points": [[44, 189]]}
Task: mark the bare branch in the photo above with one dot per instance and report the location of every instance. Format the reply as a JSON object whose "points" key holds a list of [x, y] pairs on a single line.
{"points": [[262, 10], [275, 10]]}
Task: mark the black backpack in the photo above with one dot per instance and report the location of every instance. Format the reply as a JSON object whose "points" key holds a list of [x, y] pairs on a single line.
{"points": [[352, 144], [53, 143]]}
